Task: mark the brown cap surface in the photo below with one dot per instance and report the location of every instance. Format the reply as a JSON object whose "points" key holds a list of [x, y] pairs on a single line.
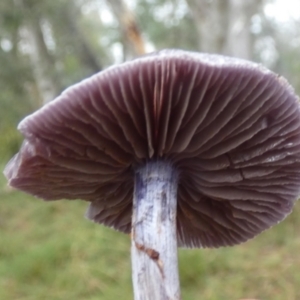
{"points": [[232, 128]]}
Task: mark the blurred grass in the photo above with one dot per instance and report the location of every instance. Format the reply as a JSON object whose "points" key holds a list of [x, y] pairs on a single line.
{"points": [[49, 251]]}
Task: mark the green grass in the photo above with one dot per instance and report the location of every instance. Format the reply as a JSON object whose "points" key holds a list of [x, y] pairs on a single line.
{"points": [[49, 251]]}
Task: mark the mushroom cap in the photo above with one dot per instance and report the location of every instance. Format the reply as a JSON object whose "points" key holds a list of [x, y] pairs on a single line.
{"points": [[230, 127]]}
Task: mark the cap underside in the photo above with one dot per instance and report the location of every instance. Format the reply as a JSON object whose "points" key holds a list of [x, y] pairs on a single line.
{"points": [[231, 128]]}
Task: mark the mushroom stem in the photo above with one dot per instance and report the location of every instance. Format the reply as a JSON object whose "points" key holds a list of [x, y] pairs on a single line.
{"points": [[154, 241]]}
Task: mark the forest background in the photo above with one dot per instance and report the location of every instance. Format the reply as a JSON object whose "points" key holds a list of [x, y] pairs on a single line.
{"points": [[49, 251]]}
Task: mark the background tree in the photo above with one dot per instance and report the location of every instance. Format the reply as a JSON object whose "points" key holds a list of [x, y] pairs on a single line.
{"points": [[132, 40], [224, 26]]}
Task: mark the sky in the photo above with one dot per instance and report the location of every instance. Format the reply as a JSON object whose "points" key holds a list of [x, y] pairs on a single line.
{"points": [[284, 10]]}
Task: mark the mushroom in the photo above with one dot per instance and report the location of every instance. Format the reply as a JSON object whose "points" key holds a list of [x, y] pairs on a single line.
{"points": [[177, 148]]}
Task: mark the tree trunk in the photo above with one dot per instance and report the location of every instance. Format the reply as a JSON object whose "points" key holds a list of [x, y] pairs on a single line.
{"points": [[224, 26], [42, 62], [154, 239], [133, 42], [85, 51], [239, 40], [210, 19]]}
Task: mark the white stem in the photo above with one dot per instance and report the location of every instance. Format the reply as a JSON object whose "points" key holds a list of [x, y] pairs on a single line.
{"points": [[154, 242]]}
